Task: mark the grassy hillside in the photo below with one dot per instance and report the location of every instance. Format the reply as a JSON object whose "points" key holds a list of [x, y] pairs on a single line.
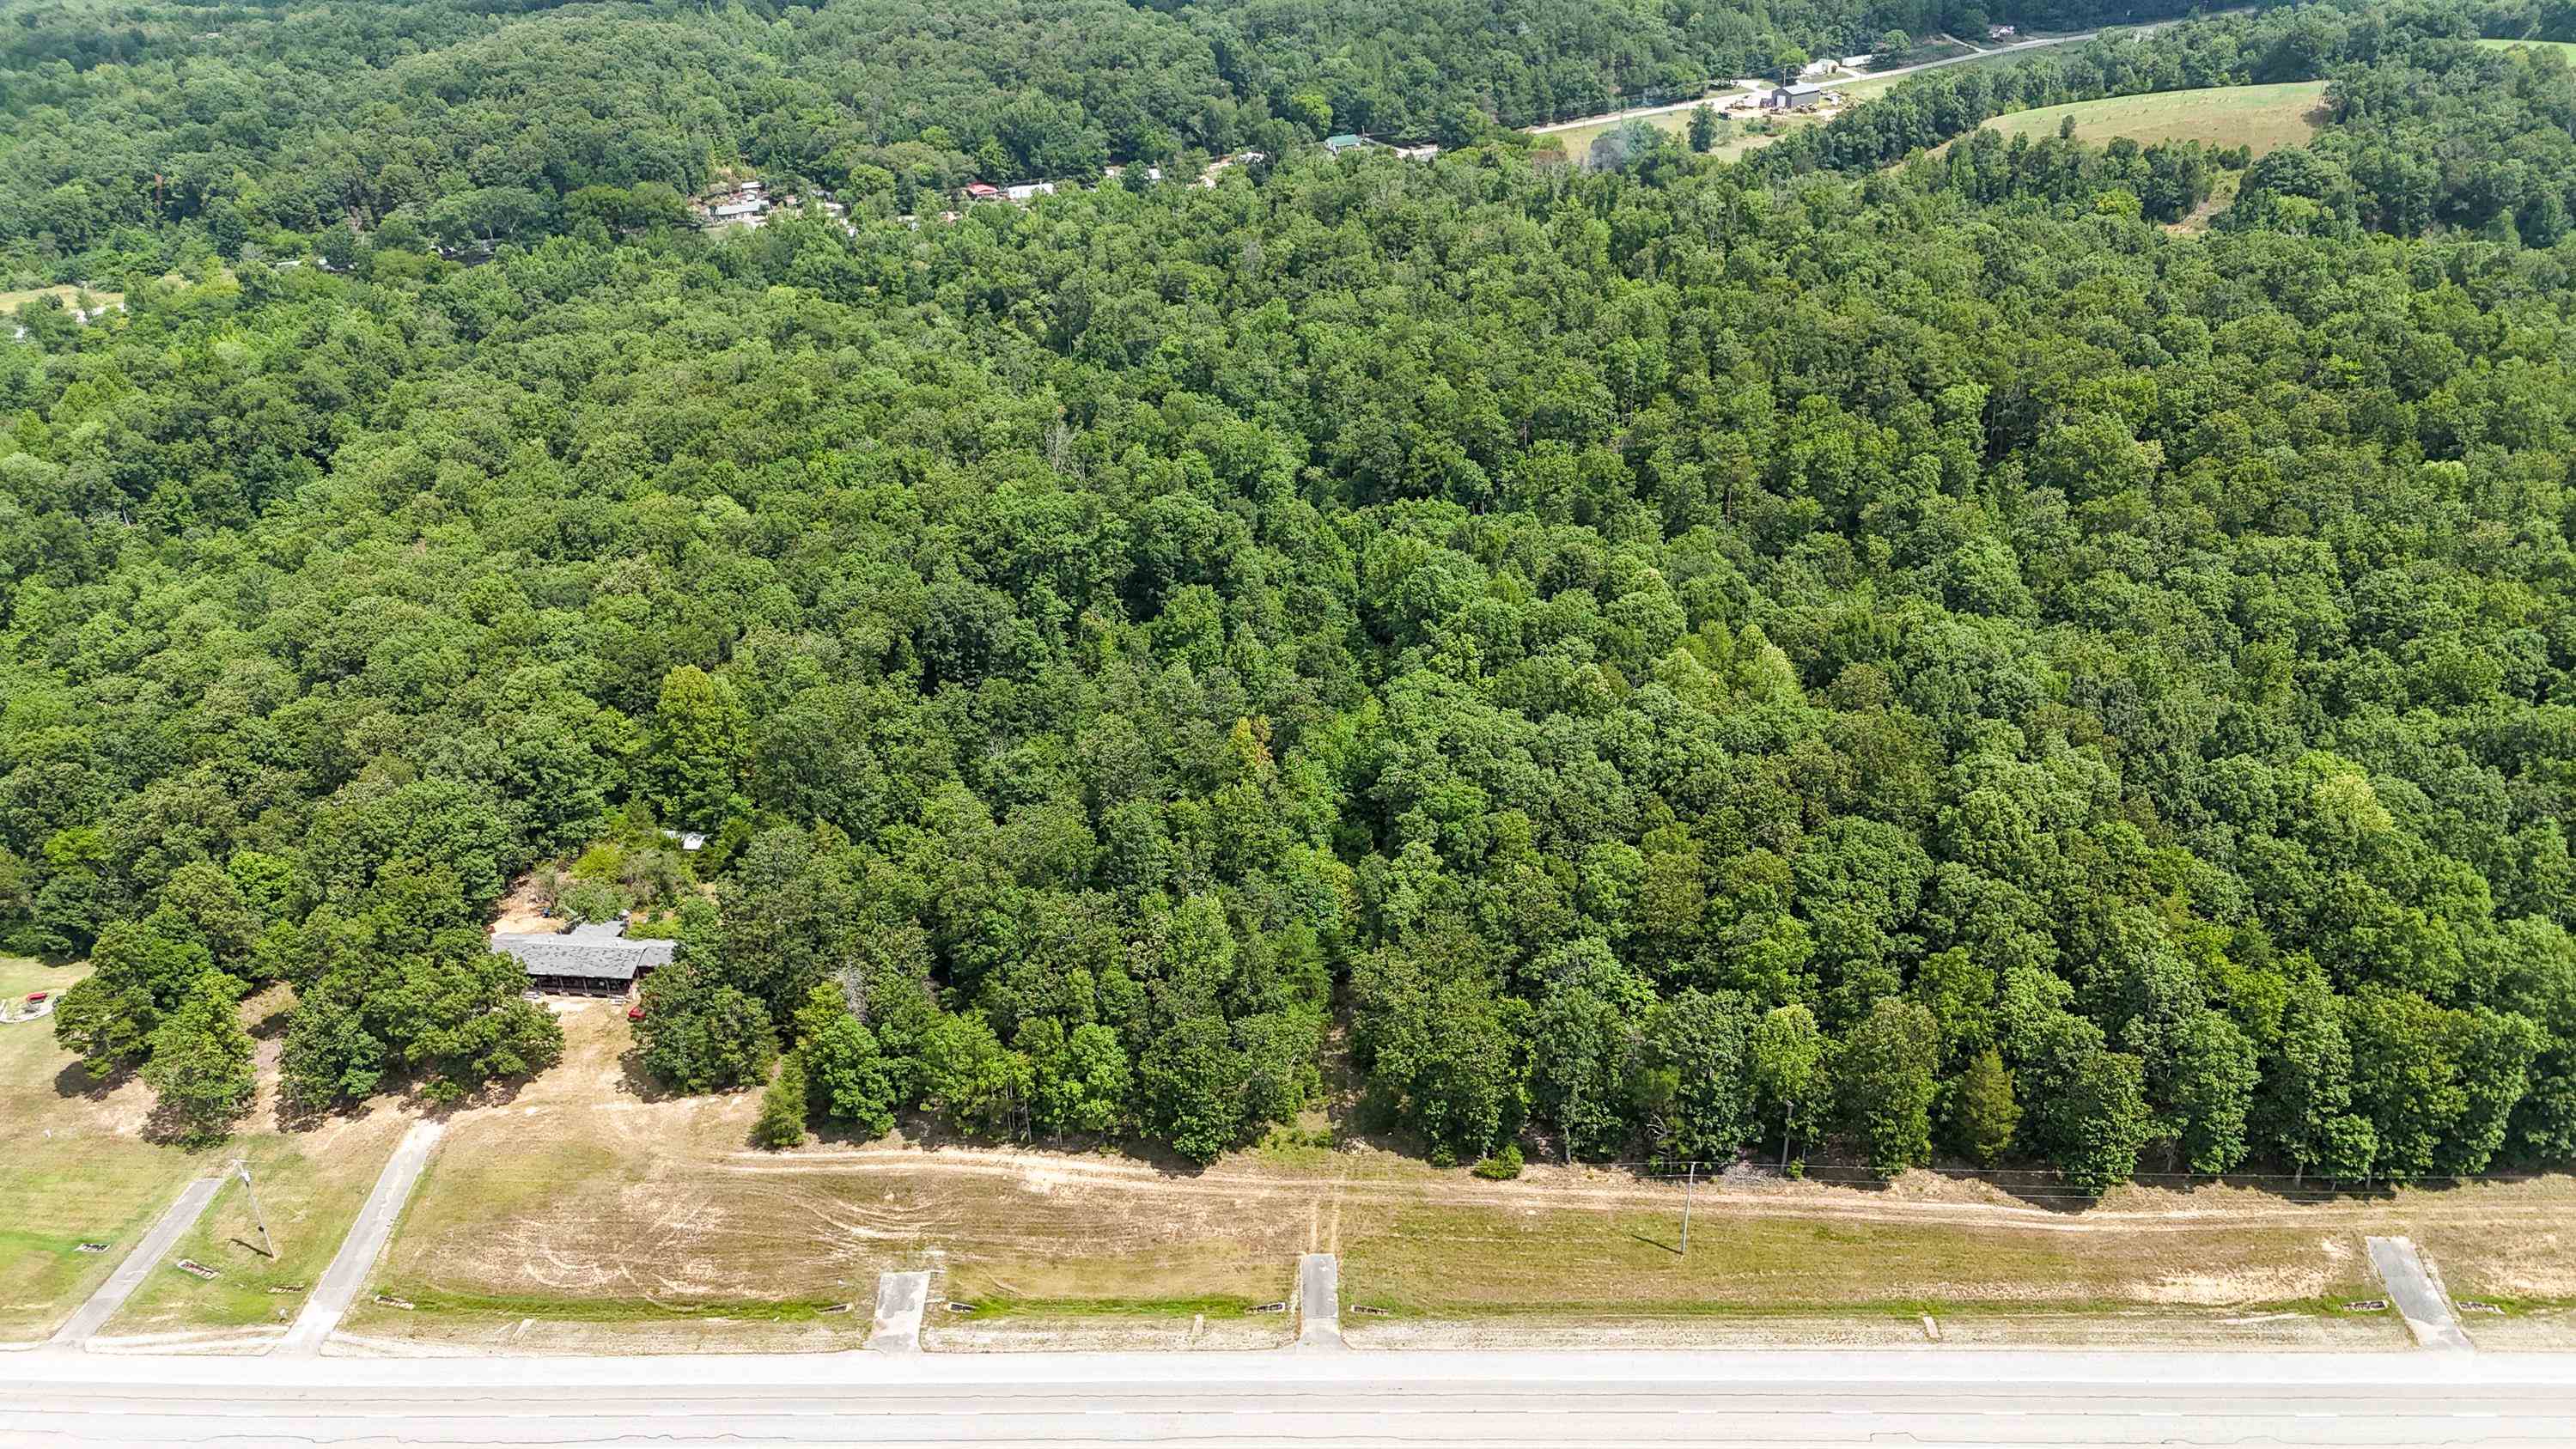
{"points": [[2565, 48], [2262, 117]]}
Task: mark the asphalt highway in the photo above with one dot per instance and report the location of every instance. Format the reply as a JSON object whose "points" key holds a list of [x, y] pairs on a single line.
{"points": [[1297, 1397]]}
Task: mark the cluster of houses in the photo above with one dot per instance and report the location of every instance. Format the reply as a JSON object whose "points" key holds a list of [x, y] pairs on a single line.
{"points": [[749, 204], [1018, 192], [1337, 145]]}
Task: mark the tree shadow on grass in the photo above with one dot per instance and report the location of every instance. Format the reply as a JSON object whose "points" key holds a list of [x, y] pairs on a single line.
{"points": [[166, 1126], [637, 1081], [74, 1080]]}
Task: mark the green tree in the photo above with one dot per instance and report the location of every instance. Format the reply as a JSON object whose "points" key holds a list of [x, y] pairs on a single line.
{"points": [[329, 1057], [2305, 1109], [1983, 1110], [1311, 110], [2088, 1104], [699, 756], [1191, 1082], [1703, 128], [1884, 1072], [200, 1068], [846, 1072], [969, 1078], [1789, 1070], [2214, 1076], [781, 1122], [697, 1035], [141, 971], [1079, 1080]]}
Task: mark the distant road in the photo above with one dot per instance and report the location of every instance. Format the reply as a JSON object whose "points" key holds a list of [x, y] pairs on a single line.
{"points": [[1288, 1398], [2016, 48]]}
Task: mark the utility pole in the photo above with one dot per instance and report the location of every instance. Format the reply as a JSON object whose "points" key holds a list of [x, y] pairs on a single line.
{"points": [[268, 1245], [1690, 1184]]}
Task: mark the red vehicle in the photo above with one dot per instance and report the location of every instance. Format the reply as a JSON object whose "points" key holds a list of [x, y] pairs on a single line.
{"points": [[35, 996], [635, 1012]]}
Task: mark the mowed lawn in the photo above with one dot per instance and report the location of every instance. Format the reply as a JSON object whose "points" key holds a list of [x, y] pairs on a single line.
{"points": [[2263, 118], [74, 1167], [309, 1185]]}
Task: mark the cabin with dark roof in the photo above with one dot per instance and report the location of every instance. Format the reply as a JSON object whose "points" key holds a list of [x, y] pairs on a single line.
{"points": [[591, 960]]}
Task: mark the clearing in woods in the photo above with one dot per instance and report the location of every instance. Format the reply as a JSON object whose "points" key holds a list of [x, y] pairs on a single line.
{"points": [[75, 1167], [2565, 48], [1746, 138], [2263, 118], [70, 295], [586, 1215]]}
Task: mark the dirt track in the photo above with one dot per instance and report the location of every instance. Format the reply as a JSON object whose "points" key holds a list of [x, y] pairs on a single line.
{"points": [[1913, 1198]]}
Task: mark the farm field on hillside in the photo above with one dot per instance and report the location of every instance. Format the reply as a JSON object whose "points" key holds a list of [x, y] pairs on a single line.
{"points": [[1578, 142], [2261, 117]]}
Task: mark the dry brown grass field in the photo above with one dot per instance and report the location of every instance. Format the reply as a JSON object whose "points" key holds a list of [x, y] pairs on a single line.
{"points": [[584, 1213]]}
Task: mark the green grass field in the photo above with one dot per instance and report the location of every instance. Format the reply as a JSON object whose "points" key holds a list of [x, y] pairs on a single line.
{"points": [[2261, 117], [2565, 48], [12, 301], [1578, 142], [73, 1167], [1429, 1259], [310, 1187]]}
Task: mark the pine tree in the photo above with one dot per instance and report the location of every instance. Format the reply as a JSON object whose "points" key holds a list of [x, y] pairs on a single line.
{"points": [[782, 1107], [1983, 1110]]}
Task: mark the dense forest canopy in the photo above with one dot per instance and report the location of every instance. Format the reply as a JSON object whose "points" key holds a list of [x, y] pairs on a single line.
{"points": [[1665, 662]]}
